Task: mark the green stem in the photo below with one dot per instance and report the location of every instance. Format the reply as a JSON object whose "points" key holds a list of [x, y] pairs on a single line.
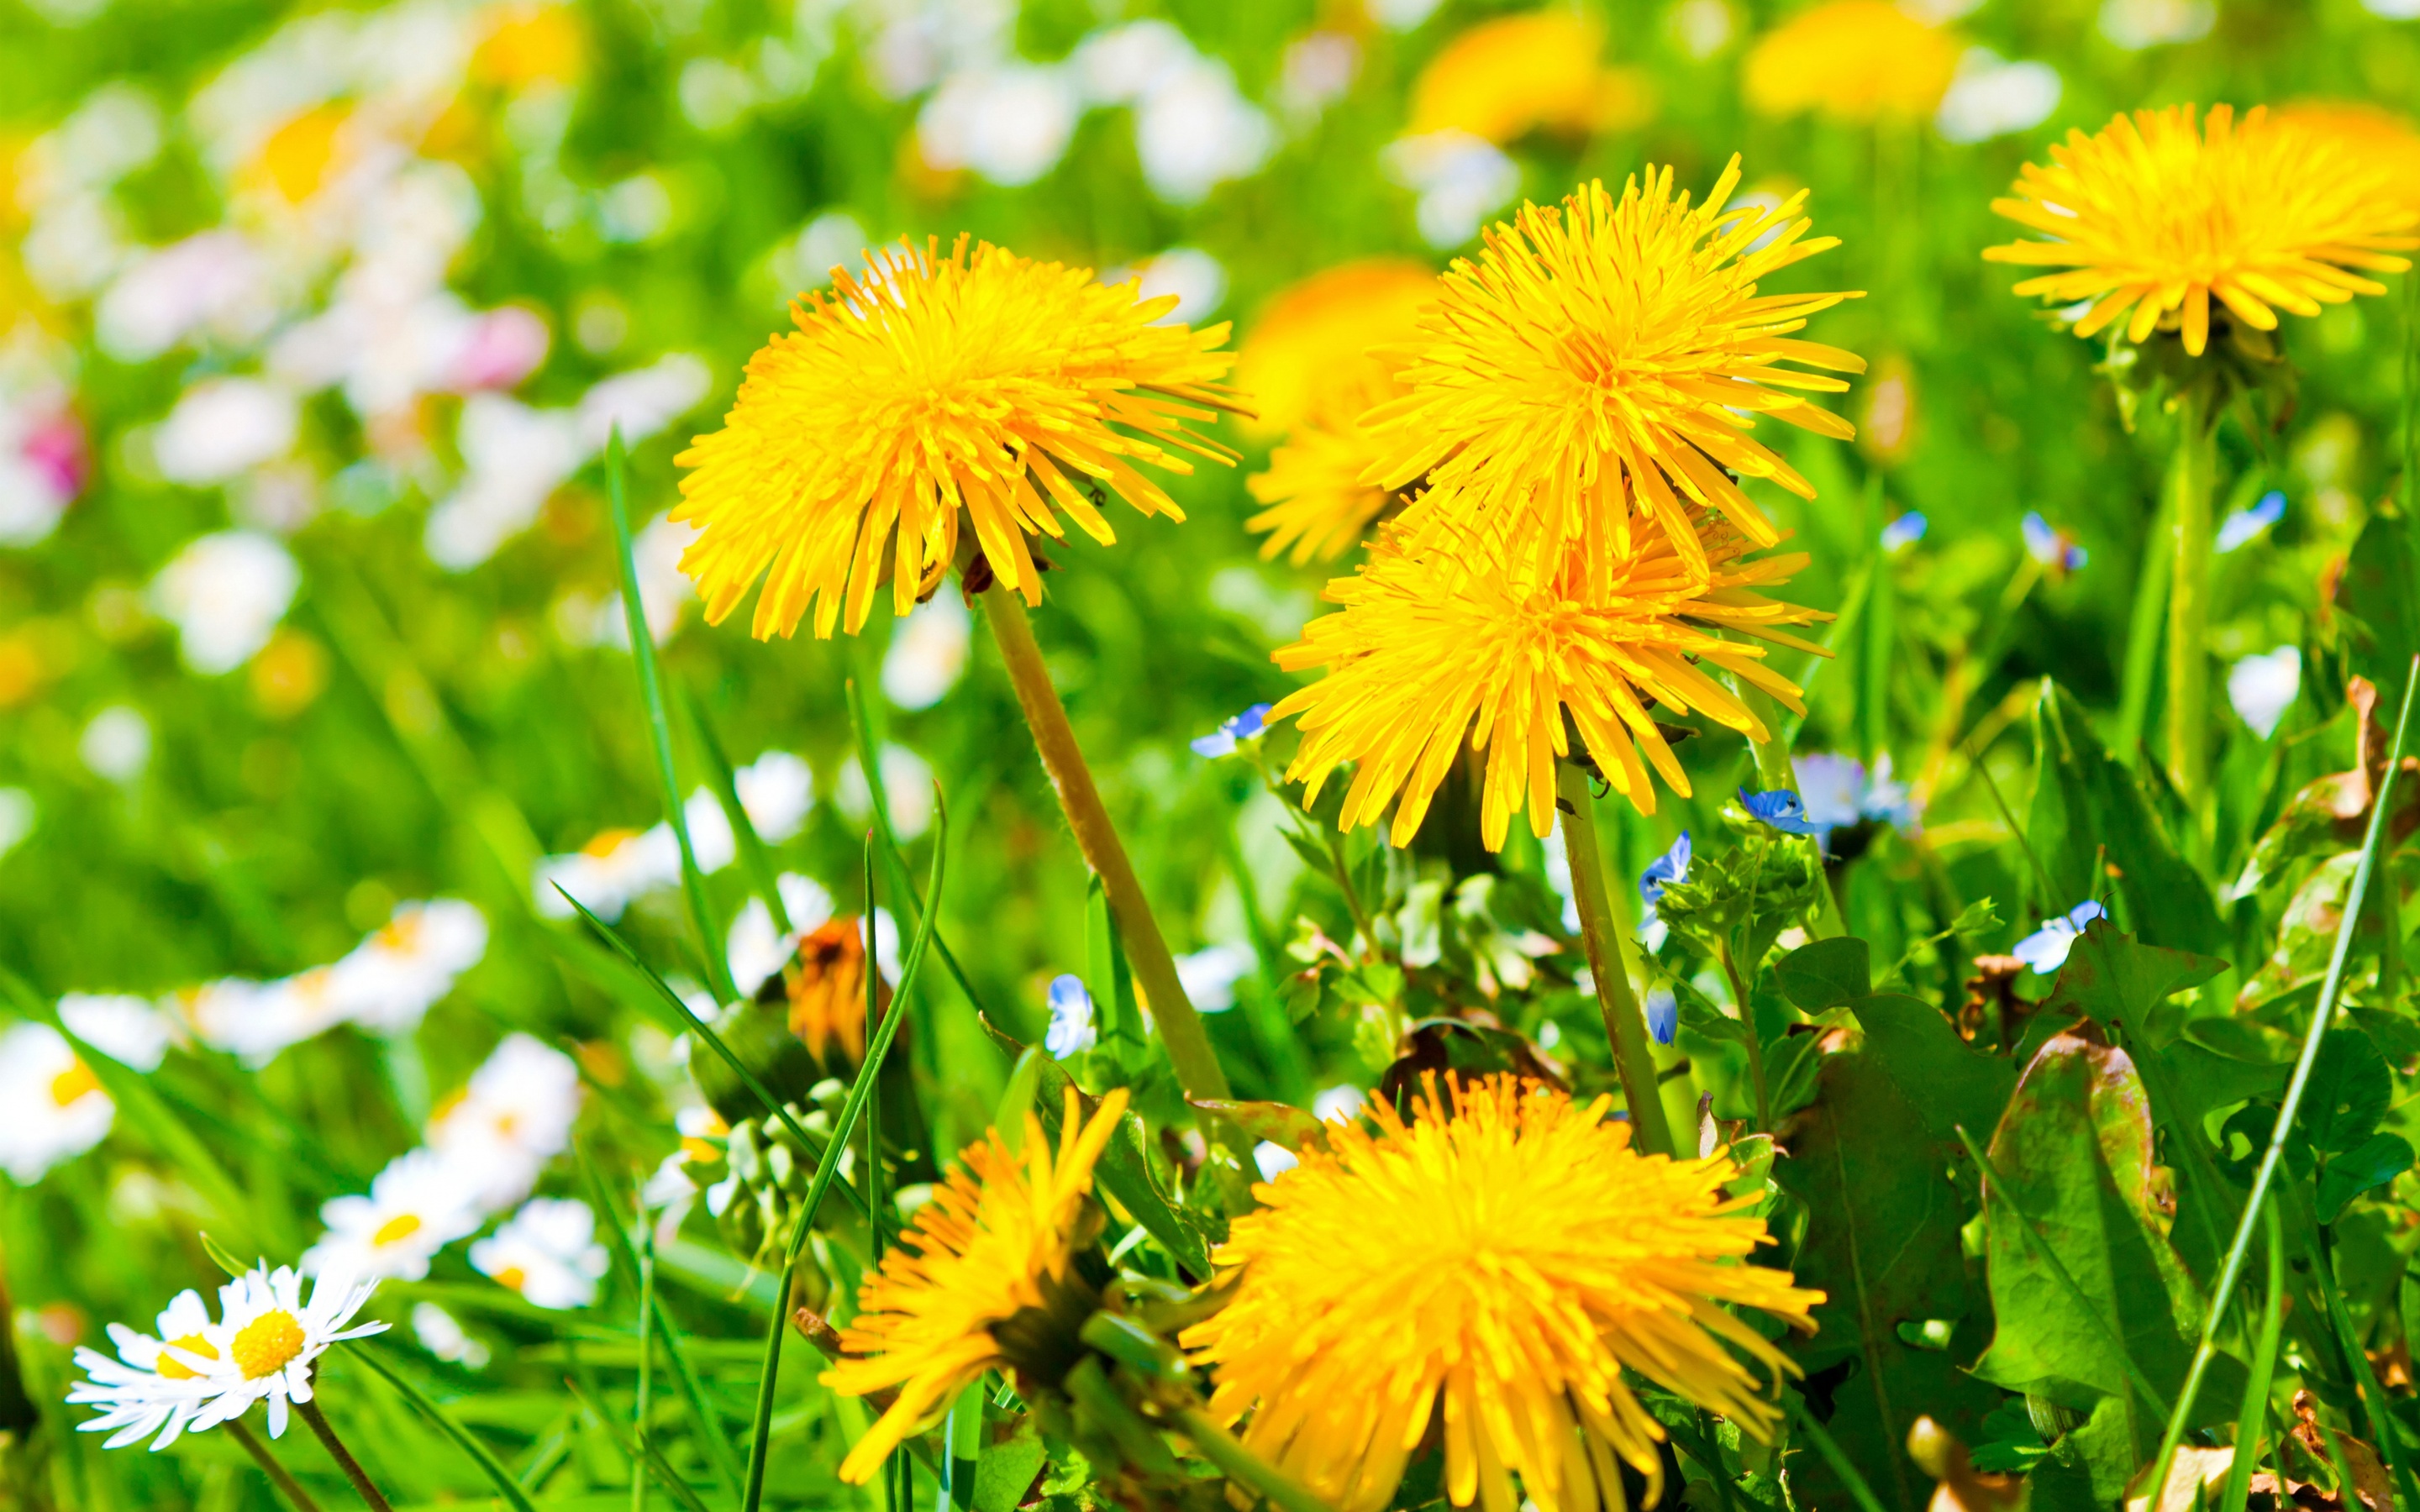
{"points": [[1859, 1491], [2193, 475], [371, 1497], [278, 1474], [1344, 873], [2330, 988], [1180, 1026], [1752, 1039], [2143, 633], [1608, 956], [647, 1354], [1224, 1450], [2249, 1419]]}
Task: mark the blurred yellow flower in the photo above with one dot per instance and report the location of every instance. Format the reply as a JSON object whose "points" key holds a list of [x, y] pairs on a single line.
{"points": [[1500, 1267], [1507, 77], [1309, 367], [978, 379], [2372, 133], [296, 160], [997, 1240], [1607, 359], [2152, 218], [527, 44], [288, 675], [1853, 60], [1440, 648]]}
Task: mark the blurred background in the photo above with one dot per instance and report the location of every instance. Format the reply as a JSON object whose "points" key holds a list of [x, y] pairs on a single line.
{"points": [[314, 322]]}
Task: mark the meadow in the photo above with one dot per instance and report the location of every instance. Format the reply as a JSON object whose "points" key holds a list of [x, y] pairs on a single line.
{"points": [[1335, 754]]}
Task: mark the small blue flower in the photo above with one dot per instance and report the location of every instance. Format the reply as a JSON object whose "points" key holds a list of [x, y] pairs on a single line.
{"points": [[1071, 1018], [1663, 1014], [2045, 950], [1223, 740], [2245, 524], [1904, 531], [2052, 547], [1782, 809], [1670, 867]]}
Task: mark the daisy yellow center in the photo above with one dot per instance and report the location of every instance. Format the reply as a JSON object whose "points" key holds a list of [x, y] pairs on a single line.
{"points": [[512, 1276], [75, 1082], [396, 1229], [267, 1343], [175, 1369], [606, 842]]}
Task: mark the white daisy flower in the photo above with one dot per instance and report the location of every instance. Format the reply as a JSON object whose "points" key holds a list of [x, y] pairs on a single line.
{"points": [[256, 1021], [149, 1388], [55, 1106], [609, 872], [514, 1116], [417, 1206], [547, 1252], [120, 1025], [393, 977], [268, 1336]]}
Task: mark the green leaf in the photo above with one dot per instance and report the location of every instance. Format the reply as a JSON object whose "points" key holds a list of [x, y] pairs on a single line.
{"points": [[1948, 1081], [2378, 597], [2349, 1091], [2084, 802], [1882, 1243], [2373, 1163], [1008, 1469], [1826, 973], [1279, 1123], [2114, 978]]}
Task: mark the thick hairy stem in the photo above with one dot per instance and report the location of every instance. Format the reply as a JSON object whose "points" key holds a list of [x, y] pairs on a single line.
{"points": [[2191, 478], [1180, 1026], [1608, 957]]}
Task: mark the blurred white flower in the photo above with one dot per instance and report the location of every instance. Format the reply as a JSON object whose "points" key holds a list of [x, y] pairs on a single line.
{"points": [[665, 591], [1401, 15], [73, 246], [1459, 179], [117, 743], [1273, 1160], [248, 1019], [756, 950], [609, 872], [115, 131], [442, 1336], [417, 1206], [212, 283], [16, 818], [1991, 98], [644, 400], [389, 981], [832, 239], [777, 791], [128, 1029], [224, 593], [547, 1252], [915, 42], [1195, 277], [1338, 1104], [223, 426], [2263, 686], [514, 1116], [1196, 131], [57, 1108], [1209, 975], [928, 652], [906, 792], [1123, 65], [1703, 27], [2135, 24], [2393, 10], [43, 462], [1316, 70], [1010, 122]]}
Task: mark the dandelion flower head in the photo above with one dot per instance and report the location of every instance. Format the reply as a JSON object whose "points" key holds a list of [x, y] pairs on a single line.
{"points": [[2372, 133], [2157, 215], [977, 380], [1608, 358], [1510, 75], [996, 1242], [1853, 60], [1499, 1259], [1439, 649]]}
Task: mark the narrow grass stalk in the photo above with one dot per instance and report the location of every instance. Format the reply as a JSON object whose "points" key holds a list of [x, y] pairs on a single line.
{"points": [[308, 1410], [278, 1476], [1859, 1491], [1608, 958], [827, 1165], [2134, 1377], [647, 1356], [2143, 639], [506, 1486], [2250, 1419], [1224, 1450], [2193, 476], [2330, 989], [651, 692], [1180, 1026], [2365, 1376], [645, 1461]]}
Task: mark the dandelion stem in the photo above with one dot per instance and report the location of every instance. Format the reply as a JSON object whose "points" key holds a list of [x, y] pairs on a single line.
{"points": [[1180, 1026], [371, 1497], [277, 1473], [2192, 476], [1754, 1041], [1608, 958], [1224, 1450]]}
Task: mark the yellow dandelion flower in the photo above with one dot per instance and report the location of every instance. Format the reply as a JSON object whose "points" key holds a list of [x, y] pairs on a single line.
{"points": [[1436, 649], [1318, 505], [1851, 60], [1607, 358], [1511, 76], [2372, 133], [2154, 217], [978, 379], [993, 1246], [1312, 339], [527, 44], [1500, 1268]]}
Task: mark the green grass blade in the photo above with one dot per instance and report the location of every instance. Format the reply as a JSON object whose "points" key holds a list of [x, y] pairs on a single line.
{"points": [[651, 693], [506, 1486], [2141, 1382], [752, 851], [1859, 1491], [2330, 989], [642, 1456], [827, 1167], [2249, 1420]]}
